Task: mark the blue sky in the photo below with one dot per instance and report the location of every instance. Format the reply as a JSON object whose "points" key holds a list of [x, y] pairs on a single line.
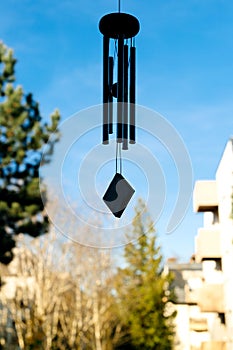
{"points": [[184, 71]]}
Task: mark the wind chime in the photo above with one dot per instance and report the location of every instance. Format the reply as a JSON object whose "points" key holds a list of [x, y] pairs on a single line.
{"points": [[119, 30]]}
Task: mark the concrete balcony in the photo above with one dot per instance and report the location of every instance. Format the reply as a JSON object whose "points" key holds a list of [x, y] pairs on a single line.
{"points": [[205, 196], [211, 298], [198, 324], [208, 244], [214, 345]]}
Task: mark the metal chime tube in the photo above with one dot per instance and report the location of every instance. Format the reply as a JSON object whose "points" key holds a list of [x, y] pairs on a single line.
{"points": [[132, 93], [105, 90], [120, 88], [110, 106], [125, 107]]}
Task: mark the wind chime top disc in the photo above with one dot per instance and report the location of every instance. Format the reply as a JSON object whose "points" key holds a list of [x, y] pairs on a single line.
{"points": [[116, 24]]}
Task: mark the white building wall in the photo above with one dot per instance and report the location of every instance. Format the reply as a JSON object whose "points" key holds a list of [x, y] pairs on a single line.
{"points": [[182, 327], [224, 179], [214, 199]]}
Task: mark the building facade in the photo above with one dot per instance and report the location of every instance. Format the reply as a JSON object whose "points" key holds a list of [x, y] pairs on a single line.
{"points": [[205, 309]]}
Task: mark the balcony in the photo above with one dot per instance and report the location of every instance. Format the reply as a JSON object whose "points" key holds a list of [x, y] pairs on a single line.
{"points": [[208, 244], [198, 324], [211, 298], [214, 345], [205, 196]]}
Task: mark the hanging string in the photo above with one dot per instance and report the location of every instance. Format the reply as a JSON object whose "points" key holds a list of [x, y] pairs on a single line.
{"points": [[115, 50], [120, 159], [132, 42], [119, 5], [131, 45], [128, 43], [118, 151]]}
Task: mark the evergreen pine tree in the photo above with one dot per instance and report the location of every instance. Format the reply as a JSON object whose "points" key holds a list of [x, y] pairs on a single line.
{"points": [[142, 290], [22, 137]]}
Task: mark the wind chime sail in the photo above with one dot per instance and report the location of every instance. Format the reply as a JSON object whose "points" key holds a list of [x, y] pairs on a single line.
{"points": [[119, 31], [122, 29]]}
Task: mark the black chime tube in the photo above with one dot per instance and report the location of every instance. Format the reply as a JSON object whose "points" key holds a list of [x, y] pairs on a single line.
{"points": [[125, 107], [105, 90], [120, 88], [110, 83], [132, 93]]}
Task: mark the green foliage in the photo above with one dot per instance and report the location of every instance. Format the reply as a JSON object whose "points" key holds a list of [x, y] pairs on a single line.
{"points": [[143, 289], [22, 138]]}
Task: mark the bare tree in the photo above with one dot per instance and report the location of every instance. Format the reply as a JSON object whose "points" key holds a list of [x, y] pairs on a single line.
{"points": [[94, 269], [36, 302], [63, 296]]}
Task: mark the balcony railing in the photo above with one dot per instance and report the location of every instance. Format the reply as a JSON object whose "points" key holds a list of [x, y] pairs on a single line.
{"points": [[213, 345]]}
